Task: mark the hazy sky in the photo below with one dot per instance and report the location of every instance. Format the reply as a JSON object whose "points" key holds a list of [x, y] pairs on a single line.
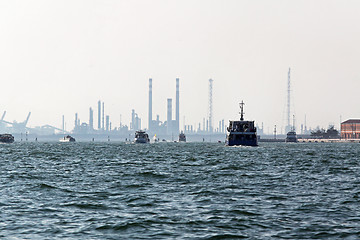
{"points": [[61, 57]]}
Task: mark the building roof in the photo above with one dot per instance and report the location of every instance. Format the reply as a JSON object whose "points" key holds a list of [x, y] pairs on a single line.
{"points": [[350, 121]]}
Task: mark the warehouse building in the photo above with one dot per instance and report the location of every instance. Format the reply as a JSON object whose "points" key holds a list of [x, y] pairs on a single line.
{"points": [[350, 129]]}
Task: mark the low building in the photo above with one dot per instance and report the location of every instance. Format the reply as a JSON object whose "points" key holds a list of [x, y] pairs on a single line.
{"points": [[350, 129]]}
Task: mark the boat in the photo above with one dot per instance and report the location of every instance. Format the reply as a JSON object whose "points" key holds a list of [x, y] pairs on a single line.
{"points": [[241, 133], [155, 138], [182, 137], [141, 137], [291, 137], [6, 138], [67, 138]]}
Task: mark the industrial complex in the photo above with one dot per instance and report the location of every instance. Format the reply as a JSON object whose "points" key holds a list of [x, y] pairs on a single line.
{"points": [[167, 129]]}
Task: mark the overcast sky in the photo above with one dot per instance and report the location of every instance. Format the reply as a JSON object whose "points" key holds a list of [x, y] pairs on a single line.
{"points": [[61, 57]]}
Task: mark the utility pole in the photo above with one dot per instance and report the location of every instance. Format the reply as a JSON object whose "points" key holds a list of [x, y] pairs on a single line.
{"points": [[288, 128], [275, 132]]}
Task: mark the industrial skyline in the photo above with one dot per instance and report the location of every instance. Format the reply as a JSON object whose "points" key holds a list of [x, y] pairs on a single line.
{"points": [[167, 126]]}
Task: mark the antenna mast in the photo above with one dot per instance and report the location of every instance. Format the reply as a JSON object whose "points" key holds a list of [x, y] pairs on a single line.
{"points": [[288, 102], [210, 105], [242, 110]]}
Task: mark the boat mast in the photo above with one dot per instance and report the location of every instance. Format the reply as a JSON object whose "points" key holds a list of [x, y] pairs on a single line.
{"points": [[242, 110]]}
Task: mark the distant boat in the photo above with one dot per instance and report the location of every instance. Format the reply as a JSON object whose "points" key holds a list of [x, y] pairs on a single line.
{"points": [[155, 139], [241, 133], [67, 138], [141, 137], [6, 138], [182, 137], [291, 137]]}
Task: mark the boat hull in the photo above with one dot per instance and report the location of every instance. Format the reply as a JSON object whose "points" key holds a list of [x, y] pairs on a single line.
{"points": [[252, 143], [6, 138], [142, 140], [68, 138], [291, 137]]}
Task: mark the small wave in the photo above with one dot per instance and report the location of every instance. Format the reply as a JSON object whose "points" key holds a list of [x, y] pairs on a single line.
{"points": [[46, 186], [152, 175], [90, 206], [280, 198], [120, 227], [226, 236], [245, 213]]}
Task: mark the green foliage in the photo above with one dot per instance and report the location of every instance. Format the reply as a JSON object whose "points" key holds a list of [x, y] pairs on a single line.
{"points": [[331, 132]]}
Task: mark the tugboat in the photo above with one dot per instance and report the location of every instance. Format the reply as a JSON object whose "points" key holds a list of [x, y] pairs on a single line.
{"points": [[182, 137], [141, 137], [68, 138], [6, 138], [241, 133]]}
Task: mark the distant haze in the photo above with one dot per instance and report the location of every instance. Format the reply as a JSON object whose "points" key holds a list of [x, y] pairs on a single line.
{"points": [[61, 57]]}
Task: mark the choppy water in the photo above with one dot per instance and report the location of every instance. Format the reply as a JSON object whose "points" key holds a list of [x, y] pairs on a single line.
{"points": [[179, 191]]}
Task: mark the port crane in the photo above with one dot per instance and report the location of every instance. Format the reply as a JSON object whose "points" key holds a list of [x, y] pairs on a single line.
{"points": [[17, 126]]}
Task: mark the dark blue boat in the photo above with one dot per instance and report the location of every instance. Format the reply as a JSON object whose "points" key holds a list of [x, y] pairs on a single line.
{"points": [[141, 137], [291, 137], [241, 133], [6, 138]]}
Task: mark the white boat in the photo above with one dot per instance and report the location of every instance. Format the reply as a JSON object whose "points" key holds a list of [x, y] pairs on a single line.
{"points": [[67, 138], [155, 139]]}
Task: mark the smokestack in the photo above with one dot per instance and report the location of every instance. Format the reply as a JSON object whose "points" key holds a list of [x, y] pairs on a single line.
{"points": [[132, 126], [103, 116], [91, 119], [107, 123], [169, 115], [99, 115], [177, 115], [150, 104], [76, 120]]}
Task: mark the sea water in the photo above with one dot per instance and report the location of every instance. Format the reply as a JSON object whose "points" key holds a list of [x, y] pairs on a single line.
{"points": [[179, 191]]}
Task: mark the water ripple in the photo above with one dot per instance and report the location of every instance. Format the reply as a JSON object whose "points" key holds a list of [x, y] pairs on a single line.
{"points": [[179, 191]]}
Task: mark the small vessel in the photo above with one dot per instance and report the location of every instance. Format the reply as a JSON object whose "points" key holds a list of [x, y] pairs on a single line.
{"points": [[155, 139], [241, 133], [67, 138], [182, 137], [6, 138], [291, 137], [141, 137]]}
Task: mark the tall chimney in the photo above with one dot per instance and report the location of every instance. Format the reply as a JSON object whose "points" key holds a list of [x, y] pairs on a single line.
{"points": [[76, 120], [91, 119], [150, 105], [169, 116], [177, 128], [99, 115], [107, 123], [103, 116]]}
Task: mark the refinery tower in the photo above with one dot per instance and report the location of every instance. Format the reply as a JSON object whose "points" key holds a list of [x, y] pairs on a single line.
{"points": [[172, 125]]}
